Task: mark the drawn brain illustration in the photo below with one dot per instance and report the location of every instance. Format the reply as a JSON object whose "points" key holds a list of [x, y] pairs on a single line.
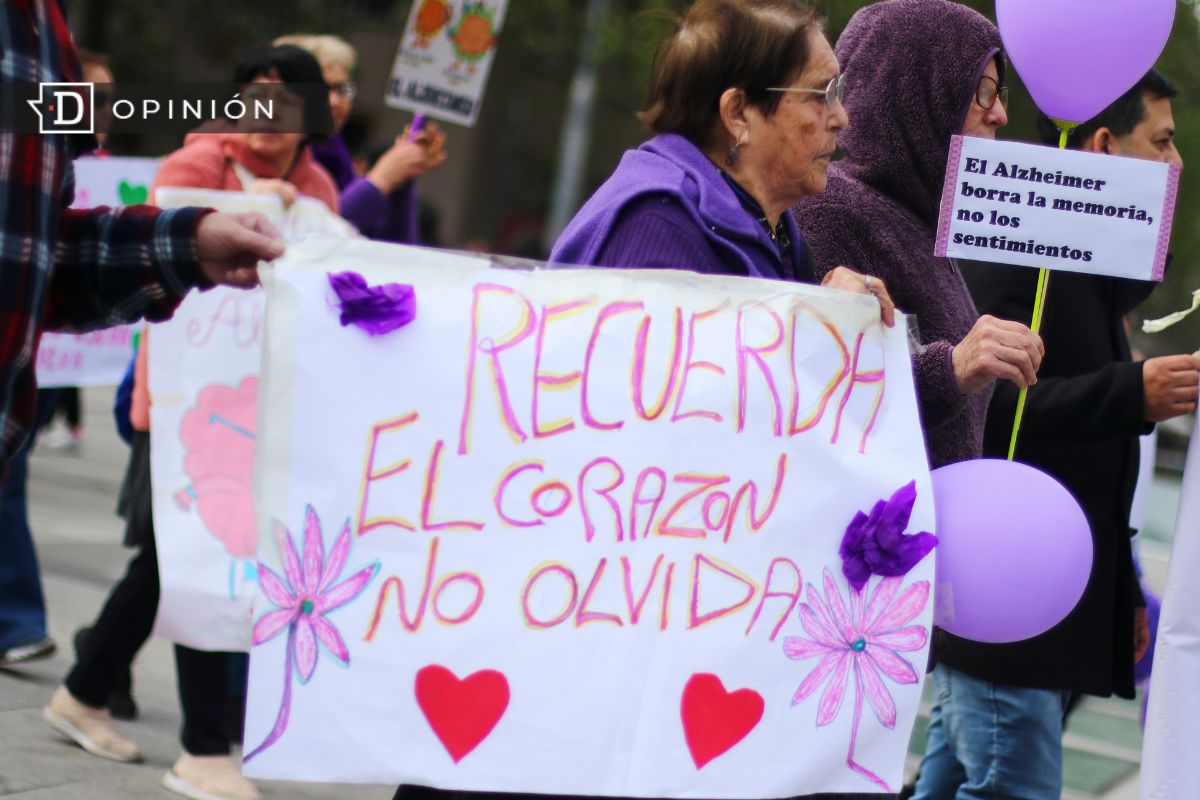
{"points": [[218, 437]]}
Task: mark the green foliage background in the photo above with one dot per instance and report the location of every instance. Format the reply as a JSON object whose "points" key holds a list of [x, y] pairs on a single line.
{"points": [[151, 40]]}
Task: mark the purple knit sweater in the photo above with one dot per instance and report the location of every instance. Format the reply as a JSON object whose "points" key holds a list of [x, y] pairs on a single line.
{"points": [[386, 218], [911, 70]]}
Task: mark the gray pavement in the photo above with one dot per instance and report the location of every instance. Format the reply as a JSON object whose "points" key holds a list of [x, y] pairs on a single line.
{"points": [[78, 539]]}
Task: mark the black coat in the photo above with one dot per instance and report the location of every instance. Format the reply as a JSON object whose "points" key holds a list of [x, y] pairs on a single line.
{"points": [[1081, 424]]}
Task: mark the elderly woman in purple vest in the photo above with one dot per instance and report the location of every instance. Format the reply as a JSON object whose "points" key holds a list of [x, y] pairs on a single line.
{"points": [[746, 103], [383, 203]]}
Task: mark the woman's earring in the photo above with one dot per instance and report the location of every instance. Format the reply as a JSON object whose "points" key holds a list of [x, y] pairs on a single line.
{"points": [[731, 156]]}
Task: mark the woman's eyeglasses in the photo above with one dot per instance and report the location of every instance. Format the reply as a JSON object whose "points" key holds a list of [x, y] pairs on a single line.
{"points": [[347, 90], [835, 92], [989, 92]]}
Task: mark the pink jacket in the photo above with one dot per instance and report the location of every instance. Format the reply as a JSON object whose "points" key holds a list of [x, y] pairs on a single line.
{"points": [[206, 162]]}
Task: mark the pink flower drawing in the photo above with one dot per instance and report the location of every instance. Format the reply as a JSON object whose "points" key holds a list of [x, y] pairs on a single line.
{"points": [[863, 639], [303, 598]]}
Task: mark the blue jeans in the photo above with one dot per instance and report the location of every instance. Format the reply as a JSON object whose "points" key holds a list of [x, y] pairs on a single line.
{"points": [[22, 606], [989, 741]]}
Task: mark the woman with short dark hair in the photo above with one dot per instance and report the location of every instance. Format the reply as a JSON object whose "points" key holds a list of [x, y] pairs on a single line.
{"points": [[746, 103]]}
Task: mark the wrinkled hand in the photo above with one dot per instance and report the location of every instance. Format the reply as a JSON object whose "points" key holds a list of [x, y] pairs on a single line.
{"points": [[433, 140], [229, 247], [1141, 633], [1172, 384], [406, 159], [285, 191], [997, 349], [848, 280]]}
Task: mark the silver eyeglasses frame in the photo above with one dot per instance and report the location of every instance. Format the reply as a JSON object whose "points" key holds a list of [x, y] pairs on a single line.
{"points": [[835, 92]]}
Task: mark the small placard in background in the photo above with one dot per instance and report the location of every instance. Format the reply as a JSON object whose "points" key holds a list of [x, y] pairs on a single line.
{"points": [[444, 58]]}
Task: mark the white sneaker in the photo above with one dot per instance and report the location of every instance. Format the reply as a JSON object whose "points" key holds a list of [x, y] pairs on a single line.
{"points": [[28, 651], [57, 438], [91, 728], [209, 778]]}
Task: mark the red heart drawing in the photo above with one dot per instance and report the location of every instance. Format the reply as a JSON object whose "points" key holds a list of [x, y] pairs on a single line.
{"points": [[714, 720], [461, 712]]}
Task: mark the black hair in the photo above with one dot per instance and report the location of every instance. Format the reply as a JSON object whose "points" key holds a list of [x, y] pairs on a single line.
{"points": [[1125, 114], [300, 72]]}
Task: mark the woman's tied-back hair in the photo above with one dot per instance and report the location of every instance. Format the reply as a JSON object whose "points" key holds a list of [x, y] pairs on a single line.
{"points": [[329, 50], [722, 44]]}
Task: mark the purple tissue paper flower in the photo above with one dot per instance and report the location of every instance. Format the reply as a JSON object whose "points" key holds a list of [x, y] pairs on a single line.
{"points": [[877, 544], [375, 309]]}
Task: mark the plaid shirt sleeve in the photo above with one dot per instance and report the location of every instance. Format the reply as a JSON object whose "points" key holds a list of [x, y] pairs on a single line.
{"points": [[76, 269], [112, 267]]}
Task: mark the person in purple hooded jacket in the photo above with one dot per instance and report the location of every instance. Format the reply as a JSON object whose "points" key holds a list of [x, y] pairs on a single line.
{"points": [[383, 203], [746, 103], [922, 71]]}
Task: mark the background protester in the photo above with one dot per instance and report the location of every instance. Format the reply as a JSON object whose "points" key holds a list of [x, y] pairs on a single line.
{"points": [[383, 204], [745, 102], [879, 212], [260, 160], [1082, 423]]}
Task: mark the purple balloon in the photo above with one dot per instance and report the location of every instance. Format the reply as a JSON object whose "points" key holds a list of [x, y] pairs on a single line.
{"points": [[1078, 56], [1014, 550]]}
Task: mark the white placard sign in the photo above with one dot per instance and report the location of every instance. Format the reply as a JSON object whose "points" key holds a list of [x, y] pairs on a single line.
{"points": [[113, 181], [99, 358], [577, 531], [1033, 206], [444, 58], [204, 376]]}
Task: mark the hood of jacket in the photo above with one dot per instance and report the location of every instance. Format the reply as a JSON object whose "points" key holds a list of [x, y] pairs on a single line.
{"points": [[912, 68]]}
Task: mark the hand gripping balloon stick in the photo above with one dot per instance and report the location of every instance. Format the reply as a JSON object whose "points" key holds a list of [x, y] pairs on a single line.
{"points": [[418, 124]]}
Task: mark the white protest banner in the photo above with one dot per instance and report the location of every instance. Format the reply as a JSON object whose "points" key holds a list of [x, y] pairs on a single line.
{"points": [[1015, 203], [444, 58], [577, 531], [113, 181], [1173, 715], [203, 366], [99, 358]]}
